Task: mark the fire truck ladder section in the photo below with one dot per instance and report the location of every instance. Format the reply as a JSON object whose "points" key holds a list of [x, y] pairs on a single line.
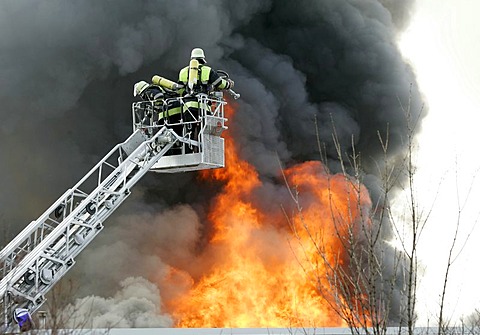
{"points": [[40, 255]]}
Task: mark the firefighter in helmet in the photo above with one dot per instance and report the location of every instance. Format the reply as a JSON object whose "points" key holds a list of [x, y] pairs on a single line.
{"points": [[201, 78], [196, 78], [160, 98], [147, 92], [155, 96]]}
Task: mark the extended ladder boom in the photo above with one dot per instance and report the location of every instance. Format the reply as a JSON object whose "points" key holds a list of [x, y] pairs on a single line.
{"points": [[41, 254], [45, 250]]}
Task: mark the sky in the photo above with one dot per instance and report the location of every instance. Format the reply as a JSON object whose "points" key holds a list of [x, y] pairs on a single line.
{"points": [[441, 43]]}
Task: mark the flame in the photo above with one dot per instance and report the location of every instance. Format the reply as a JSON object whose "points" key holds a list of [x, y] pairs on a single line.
{"points": [[264, 270]]}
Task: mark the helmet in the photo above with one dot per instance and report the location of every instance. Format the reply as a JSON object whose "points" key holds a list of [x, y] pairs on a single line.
{"points": [[139, 87], [198, 53]]}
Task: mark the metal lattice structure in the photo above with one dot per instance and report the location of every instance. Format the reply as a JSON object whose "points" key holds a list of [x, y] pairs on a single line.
{"points": [[45, 250]]}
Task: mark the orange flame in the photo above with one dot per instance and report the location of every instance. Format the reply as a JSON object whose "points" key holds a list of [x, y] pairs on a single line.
{"points": [[264, 270]]}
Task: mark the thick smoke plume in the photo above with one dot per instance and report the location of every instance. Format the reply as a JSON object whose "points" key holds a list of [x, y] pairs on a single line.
{"points": [[66, 76], [136, 305]]}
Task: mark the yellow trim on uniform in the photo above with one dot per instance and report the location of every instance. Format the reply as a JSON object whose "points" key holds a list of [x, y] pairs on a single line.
{"points": [[195, 104]]}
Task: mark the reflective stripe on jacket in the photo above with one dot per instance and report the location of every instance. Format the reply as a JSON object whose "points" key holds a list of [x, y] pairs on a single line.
{"points": [[176, 107], [195, 104], [171, 108]]}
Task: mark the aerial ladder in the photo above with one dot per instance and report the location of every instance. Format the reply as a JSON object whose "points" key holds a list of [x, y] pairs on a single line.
{"points": [[39, 256]]}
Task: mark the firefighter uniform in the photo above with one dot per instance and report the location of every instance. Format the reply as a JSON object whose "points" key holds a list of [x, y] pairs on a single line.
{"points": [[196, 78], [169, 110]]}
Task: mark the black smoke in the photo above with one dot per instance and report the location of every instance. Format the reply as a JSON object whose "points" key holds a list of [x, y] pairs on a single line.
{"points": [[66, 74]]}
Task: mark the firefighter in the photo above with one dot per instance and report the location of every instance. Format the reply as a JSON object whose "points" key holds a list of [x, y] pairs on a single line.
{"points": [[164, 102], [196, 78], [172, 107], [201, 78], [147, 92]]}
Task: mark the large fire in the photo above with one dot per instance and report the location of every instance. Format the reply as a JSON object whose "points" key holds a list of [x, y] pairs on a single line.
{"points": [[263, 269]]}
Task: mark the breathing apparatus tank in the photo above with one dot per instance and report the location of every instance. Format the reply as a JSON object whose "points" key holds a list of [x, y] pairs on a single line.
{"points": [[166, 83], [193, 73]]}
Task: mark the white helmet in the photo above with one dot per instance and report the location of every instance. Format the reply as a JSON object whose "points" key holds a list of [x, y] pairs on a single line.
{"points": [[197, 53], [139, 87]]}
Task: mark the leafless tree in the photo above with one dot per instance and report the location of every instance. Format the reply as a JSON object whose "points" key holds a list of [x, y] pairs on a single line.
{"points": [[354, 284], [369, 283], [415, 219], [471, 323], [456, 248]]}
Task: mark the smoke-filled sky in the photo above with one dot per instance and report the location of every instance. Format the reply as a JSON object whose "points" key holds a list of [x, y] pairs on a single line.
{"points": [[66, 76]]}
